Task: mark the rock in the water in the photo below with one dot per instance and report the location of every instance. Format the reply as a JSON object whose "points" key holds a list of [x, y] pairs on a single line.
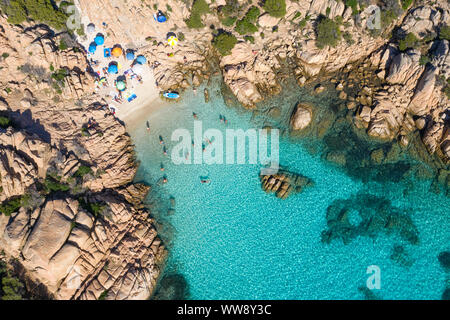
{"points": [[301, 117], [283, 183]]}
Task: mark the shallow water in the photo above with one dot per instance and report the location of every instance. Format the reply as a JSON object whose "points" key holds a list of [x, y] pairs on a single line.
{"points": [[231, 240]]}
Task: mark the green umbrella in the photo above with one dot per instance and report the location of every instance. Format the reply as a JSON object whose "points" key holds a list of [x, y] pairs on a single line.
{"points": [[120, 85]]}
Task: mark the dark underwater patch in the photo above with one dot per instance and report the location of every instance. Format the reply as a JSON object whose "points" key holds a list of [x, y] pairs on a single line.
{"points": [[377, 215], [172, 287]]}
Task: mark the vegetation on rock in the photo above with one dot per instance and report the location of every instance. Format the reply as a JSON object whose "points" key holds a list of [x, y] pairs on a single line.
{"points": [[328, 33], [246, 24], [410, 41], [224, 42], [11, 288], [14, 204], [45, 11], [275, 8], [199, 8]]}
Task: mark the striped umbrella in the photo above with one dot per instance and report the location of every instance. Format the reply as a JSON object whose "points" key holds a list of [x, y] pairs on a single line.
{"points": [[172, 41]]}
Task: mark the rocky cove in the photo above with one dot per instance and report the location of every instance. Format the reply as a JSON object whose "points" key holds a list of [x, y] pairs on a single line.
{"points": [[372, 109]]}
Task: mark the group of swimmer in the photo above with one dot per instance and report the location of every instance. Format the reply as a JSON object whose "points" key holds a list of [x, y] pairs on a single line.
{"points": [[203, 180]]}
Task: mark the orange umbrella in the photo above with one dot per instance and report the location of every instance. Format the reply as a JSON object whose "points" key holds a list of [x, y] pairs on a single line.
{"points": [[116, 52]]}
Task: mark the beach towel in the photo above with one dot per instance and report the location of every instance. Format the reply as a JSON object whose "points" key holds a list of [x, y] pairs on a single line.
{"points": [[107, 52]]}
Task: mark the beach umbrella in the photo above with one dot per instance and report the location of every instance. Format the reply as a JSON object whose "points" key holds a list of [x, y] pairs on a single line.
{"points": [[172, 41], [121, 85], [99, 39], [130, 55], [160, 17], [116, 51], [138, 68], [141, 59], [92, 47], [113, 69], [90, 28]]}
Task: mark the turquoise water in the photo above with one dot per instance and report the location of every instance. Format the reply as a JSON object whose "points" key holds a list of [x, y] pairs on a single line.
{"points": [[231, 240]]}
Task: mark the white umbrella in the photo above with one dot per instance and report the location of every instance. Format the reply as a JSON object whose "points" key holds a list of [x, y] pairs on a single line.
{"points": [[138, 68], [90, 28]]}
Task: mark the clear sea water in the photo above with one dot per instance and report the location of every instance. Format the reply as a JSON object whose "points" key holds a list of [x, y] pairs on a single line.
{"points": [[231, 240]]}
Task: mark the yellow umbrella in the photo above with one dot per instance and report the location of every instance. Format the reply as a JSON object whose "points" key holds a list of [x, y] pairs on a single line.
{"points": [[116, 52], [172, 41]]}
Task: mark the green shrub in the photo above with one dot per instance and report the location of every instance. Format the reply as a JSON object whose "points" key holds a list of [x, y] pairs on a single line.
{"points": [[410, 41], [297, 15], [13, 205], [352, 4], [199, 8], [59, 76], [11, 288], [228, 21], [52, 184], [275, 8], [245, 27], [328, 33], [303, 22], [224, 42], [348, 38], [246, 24], [103, 295], [62, 45], [92, 207], [4, 122], [252, 14], [82, 171], [5, 55], [444, 33], [181, 36], [424, 60], [406, 4], [250, 39], [38, 10]]}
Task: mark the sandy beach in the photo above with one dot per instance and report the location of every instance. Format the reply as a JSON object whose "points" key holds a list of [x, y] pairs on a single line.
{"points": [[148, 96]]}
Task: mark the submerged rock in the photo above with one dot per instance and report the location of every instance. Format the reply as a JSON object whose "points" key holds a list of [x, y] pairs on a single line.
{"points": [[283, 183], [444, 260], [377, 215]]}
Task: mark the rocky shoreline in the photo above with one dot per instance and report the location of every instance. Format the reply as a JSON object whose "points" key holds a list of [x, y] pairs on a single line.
{"points": [[72, 218]]}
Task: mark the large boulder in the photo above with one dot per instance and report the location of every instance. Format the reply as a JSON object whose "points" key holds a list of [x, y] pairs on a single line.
{"points": [[267, 21], [301, 116]]}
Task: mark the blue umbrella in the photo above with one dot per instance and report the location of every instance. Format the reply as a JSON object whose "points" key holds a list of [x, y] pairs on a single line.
{"points": [[99, 39], [113, 69], [161, 17], [130, 55], [92, 47], [141, 59]]}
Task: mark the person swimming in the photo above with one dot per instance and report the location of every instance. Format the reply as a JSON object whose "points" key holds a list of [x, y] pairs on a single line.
{"points": [[161, 167], [165, 151], [193, 144], [148, 126], [186, 155], [221, 117], [161, 141], [194, 115], [165, 179], [205, 181]]}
